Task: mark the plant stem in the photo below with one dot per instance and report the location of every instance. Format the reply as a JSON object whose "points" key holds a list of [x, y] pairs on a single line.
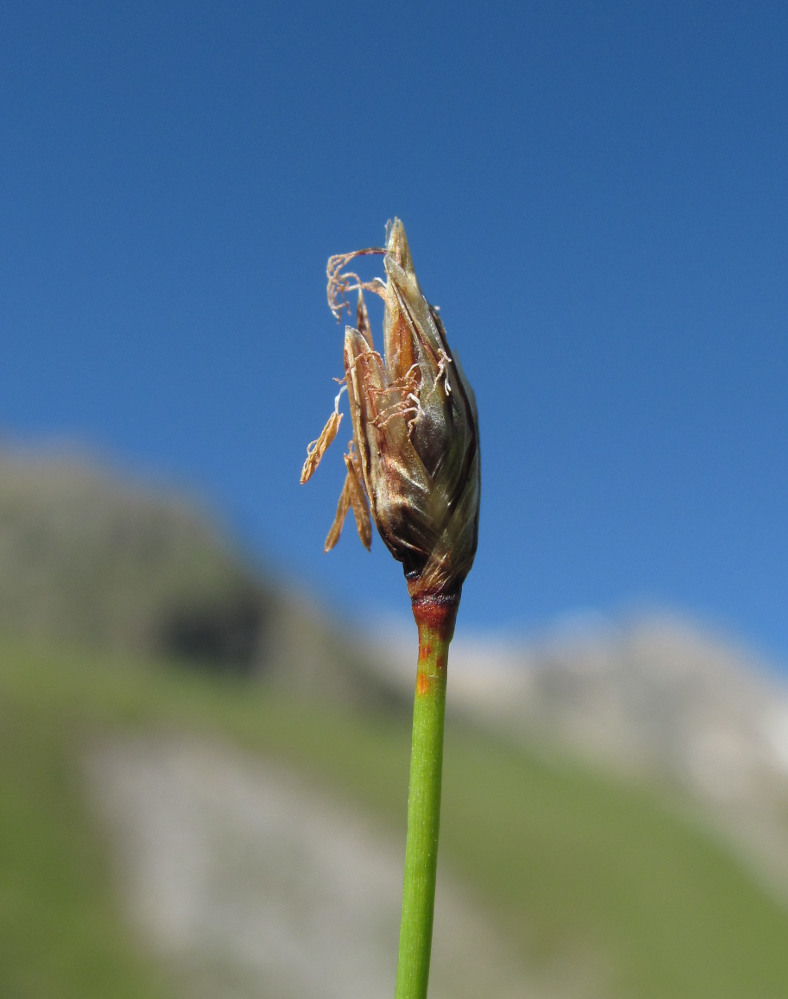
{"points": [[435, 617]]}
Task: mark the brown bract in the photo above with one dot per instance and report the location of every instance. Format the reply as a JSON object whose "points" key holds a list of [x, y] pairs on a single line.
{"points": [[415, 448]]}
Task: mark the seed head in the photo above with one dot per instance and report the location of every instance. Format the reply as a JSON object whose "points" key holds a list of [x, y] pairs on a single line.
{"points": [[414, 456]]}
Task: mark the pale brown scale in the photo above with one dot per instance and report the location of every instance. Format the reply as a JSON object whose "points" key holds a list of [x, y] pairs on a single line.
{"points": [[358, 497], [362, 319]]}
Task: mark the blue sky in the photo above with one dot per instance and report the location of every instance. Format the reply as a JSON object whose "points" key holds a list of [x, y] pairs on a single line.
{"points": [[595, 195]]}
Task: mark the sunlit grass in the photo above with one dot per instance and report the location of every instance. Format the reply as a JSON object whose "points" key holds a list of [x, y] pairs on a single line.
{"points": [[62, 935]]}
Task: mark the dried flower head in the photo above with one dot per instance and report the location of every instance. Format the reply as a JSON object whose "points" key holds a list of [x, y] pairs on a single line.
{"points": [[414, 457]]}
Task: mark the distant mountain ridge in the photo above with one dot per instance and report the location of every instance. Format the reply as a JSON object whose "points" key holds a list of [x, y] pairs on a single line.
{"points": [[91, 556], [652, 691], [94, 556]]}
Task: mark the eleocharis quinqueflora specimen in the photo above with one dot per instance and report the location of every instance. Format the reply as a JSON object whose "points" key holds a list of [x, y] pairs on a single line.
{"points": [[413, 468]]}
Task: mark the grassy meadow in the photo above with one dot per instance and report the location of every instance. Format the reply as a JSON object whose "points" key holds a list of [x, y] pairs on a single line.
{"points": [[571, 865]]}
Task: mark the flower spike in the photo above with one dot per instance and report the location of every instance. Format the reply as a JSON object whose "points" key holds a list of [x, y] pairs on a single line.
{"points": [[415, 427]]}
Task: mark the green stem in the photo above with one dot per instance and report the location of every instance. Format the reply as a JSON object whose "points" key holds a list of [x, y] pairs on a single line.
{"points": [[435, 618]]}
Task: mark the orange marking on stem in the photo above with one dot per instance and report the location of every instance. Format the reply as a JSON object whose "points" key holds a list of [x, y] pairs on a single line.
{"points": [[422, 684]]}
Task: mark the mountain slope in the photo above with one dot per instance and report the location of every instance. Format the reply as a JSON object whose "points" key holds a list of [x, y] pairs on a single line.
{"points": [[580, 884], [90, 556], [596, 885]]}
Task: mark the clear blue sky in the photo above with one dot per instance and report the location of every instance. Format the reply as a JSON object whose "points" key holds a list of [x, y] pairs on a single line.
{"points": [[596, 195]]}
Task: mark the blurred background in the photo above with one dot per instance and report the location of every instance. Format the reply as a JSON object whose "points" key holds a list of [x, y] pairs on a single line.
{"points": [[205, 719]]}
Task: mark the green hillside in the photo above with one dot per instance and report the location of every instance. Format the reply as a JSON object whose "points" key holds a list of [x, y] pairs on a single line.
{"points": [[572, 866]]}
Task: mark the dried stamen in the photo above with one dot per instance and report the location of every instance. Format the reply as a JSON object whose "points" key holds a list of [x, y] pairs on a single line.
{"points": [[353, 497], [340, 285], [339, 518], [317, 448]]}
